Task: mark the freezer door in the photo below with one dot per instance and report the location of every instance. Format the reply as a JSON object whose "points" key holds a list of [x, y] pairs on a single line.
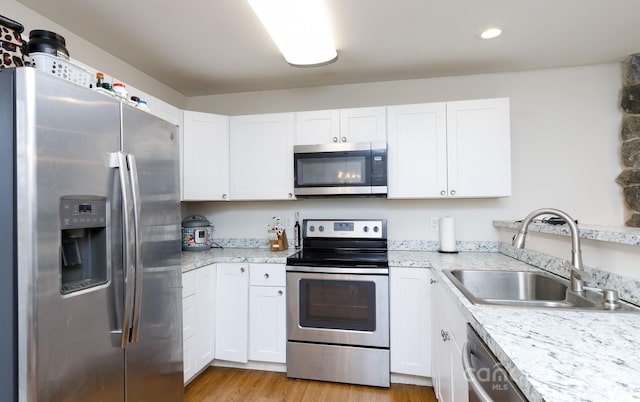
{"points": [[154, 358], [69, 345]]}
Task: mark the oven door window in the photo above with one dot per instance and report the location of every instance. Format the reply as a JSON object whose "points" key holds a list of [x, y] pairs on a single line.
{"points": [[335, 304], [333, 169]]}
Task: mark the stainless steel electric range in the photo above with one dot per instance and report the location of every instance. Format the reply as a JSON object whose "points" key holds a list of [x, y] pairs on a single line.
{"points": [[338, 303]]}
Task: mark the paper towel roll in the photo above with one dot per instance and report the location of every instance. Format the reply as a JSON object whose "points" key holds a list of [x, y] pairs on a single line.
{"points": [[448, 235]]}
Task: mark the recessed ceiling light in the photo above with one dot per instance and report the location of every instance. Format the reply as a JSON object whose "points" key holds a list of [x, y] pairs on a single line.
{"points": [[491, 33], [300, 29]]}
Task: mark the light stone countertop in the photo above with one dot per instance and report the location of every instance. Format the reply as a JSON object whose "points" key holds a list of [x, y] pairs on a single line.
{"points": [[553, 355], [197, 259], [609, 234]]}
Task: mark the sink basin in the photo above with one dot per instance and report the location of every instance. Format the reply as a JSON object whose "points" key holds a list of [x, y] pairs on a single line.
{"points": [[526, 289]]}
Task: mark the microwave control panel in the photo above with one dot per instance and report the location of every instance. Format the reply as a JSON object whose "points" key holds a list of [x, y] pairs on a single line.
{"points": [[378, 167]]}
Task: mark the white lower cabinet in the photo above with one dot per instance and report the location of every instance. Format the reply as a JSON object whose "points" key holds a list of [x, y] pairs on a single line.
{"points": [[448, 336], [267, 313], [410, 321], [205, 313], [198, 319], [188, 322], [232, 308], [250, 313]]}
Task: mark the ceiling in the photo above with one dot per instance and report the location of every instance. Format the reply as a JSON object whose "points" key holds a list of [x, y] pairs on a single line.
{"points": [[219, 46]]}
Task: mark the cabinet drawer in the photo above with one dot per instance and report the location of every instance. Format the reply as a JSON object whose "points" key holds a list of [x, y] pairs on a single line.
{"points": [[267, 275], [189, 284]]}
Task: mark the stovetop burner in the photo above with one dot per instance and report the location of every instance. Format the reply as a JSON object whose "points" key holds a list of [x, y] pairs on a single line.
{"points": [[342, 243], [334, 258]]}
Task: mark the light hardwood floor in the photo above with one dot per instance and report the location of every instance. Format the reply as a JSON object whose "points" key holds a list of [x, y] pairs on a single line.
{"points": [[236, 385]]}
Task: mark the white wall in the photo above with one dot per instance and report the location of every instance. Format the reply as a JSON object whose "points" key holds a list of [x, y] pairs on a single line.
{"points": [[565, 127], [91, 55]]}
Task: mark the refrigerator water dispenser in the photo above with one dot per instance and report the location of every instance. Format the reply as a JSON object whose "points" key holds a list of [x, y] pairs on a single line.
{"points": [[83, 248]]}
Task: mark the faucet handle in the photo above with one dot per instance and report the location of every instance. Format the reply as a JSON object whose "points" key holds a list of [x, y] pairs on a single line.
{"points": [[579, 274]]}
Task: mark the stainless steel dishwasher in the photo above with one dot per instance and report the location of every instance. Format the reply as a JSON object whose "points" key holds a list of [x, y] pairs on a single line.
{"points": [[488, 380]]}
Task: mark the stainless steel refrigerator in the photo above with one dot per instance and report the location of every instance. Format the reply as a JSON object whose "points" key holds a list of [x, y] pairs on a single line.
{"points": [[90, 286]]}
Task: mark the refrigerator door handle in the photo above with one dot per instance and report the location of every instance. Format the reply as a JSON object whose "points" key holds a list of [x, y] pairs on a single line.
{"points": [[135, 189], [119, 160]]}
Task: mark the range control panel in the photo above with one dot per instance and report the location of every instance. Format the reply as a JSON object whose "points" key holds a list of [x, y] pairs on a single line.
{"points": [[358, 228]]}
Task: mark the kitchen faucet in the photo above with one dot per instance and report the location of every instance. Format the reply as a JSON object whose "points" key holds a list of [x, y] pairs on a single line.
{"points": [[578, 274]]}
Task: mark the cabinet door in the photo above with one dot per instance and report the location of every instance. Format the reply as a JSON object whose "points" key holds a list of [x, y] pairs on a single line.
{"points": [[205, 157], [363, 124], [479, 148], [262, 157], [443, 375], [449, 334], [459, 384], [317, 127], [267, 324], [205, 313], [417, 148], [410, 301], [188, 324], [188, 359], [232, 312]]}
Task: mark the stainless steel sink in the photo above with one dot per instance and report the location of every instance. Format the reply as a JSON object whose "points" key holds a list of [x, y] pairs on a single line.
{"points": [[527, 289]]}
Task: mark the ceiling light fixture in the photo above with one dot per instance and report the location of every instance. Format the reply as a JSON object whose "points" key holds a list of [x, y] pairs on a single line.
{"points": [[491, 33], [300, 29]]}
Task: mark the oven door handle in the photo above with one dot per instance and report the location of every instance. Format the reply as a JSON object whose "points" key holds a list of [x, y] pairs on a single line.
{"points": [[469, 371]]}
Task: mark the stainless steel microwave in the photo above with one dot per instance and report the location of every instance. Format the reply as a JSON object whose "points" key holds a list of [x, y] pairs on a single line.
{"points": [[340, 169]]}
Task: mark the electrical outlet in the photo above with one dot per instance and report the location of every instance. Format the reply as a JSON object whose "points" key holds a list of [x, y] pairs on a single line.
{"points": [[435, 223]]}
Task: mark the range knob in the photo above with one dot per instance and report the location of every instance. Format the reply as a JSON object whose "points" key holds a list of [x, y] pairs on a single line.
{"points": [[321, 228], [312, 228], [376, 229], [366, 229]]}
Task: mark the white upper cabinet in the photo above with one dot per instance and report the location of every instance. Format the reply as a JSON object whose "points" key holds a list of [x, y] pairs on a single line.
{"points": [[261, 157], [417, 150], [479, 148], [317, 127], [453, 149], [343, 125], [205, 157]]}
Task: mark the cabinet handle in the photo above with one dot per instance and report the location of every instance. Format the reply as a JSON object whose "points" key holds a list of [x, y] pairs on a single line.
{"points": [[242, 269], [224, 196], [290, 195], [266, 276], [445, 335], [443, 192], [279, 292], [335, 139], [344, 139], [453, 192], [432, 281]]}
